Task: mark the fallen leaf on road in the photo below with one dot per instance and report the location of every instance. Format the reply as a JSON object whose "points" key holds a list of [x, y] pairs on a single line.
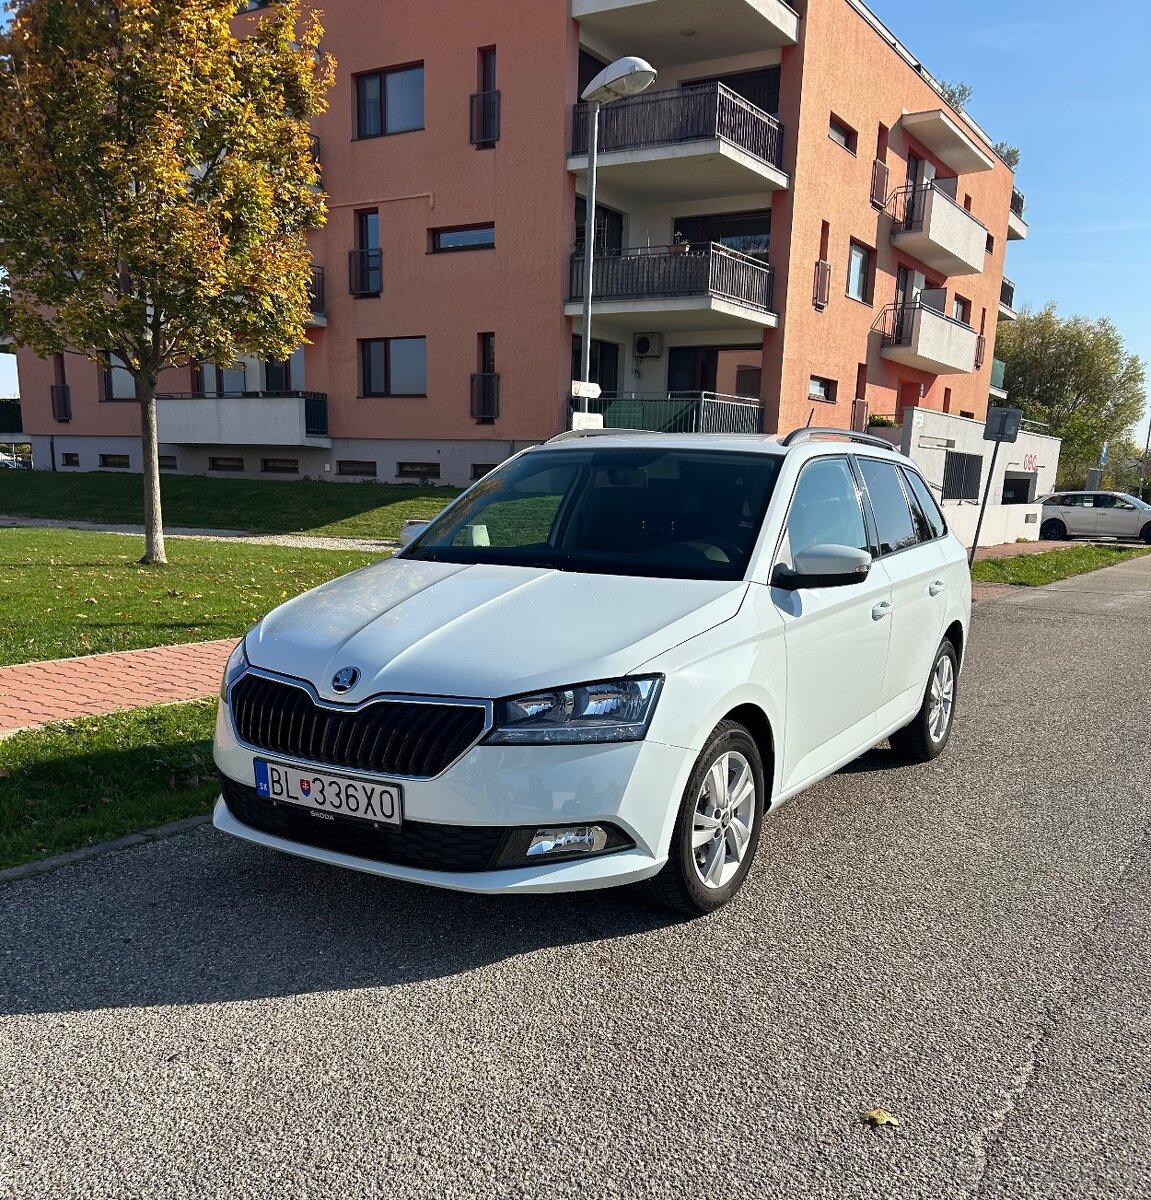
{"points": [[875, 1117]]}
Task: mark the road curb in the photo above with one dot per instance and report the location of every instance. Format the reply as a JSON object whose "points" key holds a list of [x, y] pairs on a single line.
{"points": [[44, 865]]}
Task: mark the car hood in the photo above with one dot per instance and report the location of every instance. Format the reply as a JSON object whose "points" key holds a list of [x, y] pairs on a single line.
{"points": [[482, 630]]}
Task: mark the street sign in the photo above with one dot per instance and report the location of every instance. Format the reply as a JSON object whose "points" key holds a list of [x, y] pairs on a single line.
{"points": [[585, 391], [1002, 424]]}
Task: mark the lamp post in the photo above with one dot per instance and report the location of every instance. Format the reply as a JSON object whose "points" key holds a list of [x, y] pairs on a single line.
{"points": [[624, 77]]}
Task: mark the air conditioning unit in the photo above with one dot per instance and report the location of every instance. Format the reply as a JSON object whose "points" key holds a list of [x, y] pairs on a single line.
{"points": [[647, 345]]}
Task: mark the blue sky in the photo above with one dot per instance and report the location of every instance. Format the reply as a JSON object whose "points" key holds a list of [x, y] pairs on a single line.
{"points": [[1067, 84]]}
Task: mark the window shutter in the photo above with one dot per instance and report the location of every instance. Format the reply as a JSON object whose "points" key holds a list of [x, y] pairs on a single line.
{"points": [[822, 291]]}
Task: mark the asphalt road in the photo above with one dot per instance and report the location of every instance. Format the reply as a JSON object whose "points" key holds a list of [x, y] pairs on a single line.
{"points": [[964, 944]]}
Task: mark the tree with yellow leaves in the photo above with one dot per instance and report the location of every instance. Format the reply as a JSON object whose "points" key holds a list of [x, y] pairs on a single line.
{"points": [[157, 184]]}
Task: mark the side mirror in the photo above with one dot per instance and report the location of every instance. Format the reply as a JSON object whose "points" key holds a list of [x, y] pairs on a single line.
{"points": [[823, 566], [410, 530]]}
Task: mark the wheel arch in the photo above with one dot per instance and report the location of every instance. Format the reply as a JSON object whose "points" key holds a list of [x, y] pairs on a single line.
{"points": [[955, 635], [757, 723]]}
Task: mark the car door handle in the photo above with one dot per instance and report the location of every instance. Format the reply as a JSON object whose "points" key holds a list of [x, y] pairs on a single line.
{"points": [[881, 610], [933, 589]]}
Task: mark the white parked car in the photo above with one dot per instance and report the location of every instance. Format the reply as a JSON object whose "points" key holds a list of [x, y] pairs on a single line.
{"points": [[1095, 515], [603, 663]]}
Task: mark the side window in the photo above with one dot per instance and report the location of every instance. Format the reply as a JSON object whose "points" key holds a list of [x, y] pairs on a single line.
{"points": [[1053, 501], [892, 514], [1105, 500], [1075, 500], [825, 510], [921, 493]]}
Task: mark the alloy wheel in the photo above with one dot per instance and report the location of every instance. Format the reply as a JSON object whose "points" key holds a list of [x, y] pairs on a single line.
{"points": [[942, 698], [722, 821]]}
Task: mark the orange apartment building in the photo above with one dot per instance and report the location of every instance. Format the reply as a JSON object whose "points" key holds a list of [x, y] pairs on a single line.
{"points": [[792, 225]]}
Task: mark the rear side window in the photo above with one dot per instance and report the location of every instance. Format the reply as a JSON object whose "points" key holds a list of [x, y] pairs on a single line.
{"points": [[888, 501], [1055, 501], [924, 503]]}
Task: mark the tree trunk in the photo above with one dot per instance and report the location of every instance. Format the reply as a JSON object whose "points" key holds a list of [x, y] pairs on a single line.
{"points": [[153, 520]]}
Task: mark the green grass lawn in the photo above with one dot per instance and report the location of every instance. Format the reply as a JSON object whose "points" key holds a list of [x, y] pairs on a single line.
{"points": [[365, 510], [78, 782], [68, 593], [1034, 570]]}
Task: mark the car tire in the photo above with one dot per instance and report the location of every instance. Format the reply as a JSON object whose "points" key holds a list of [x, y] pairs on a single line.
{"points": [[699, 878], [928, 734], [1053, 531], [1145, 533]]}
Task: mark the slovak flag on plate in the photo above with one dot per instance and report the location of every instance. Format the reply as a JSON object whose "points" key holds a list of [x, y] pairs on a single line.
{"points": [[305, 787]]}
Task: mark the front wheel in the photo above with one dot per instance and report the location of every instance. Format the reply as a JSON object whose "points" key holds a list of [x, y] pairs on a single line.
{"points": [[1145, 533], [717, 830], [1053, 531], [930, 730]]}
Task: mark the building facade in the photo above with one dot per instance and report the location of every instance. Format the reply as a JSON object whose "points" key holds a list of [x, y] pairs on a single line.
{"points": [[792, 226]]}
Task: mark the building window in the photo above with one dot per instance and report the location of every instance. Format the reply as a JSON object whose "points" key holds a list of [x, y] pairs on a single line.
{"points": [[990, 244], [225, 464], [278, 376], [365, 263], [859, 272], [748, 382], [479, 470], [961, 474], [211, 380], [462, 237], [821, 389], [120, 462], [280, 466], [390, 101], [969, 415], [485, 403], [961, 309], [485, 107], [946, 399], [394, 366], [842, 133], [363, 467], [168, 462], [118, 382], [70, 459], [418, 470]]}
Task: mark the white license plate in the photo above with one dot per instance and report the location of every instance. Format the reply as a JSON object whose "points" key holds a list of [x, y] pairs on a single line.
{"points": [[330, 795]]}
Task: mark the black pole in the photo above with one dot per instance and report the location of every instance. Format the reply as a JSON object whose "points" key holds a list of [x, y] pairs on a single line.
{"points": [[983, 506]]}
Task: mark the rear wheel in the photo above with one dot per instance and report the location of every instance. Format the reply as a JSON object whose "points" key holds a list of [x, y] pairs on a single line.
{"points": [[927, 735], [1053, 531], [1145, 533], [717, 830]]}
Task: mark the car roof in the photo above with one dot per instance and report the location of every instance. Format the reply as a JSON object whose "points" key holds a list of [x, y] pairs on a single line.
{"points": [[814, 440]]}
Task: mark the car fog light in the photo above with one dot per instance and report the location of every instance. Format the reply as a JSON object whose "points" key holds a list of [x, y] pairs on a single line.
{"points": [[580, 839]]}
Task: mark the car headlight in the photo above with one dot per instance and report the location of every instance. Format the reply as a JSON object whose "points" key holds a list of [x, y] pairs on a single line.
{"points": [[613, 710], [236, 665]]}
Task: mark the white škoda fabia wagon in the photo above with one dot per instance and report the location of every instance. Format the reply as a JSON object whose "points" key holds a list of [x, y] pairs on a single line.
{"points": [[603, 663]]}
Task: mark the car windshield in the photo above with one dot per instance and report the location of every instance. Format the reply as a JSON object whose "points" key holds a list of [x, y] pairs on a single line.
{"points": [[666, 513]]}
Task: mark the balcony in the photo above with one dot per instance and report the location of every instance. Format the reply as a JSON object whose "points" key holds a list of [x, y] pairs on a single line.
{"points": [[940, 233], [924, 338], [689, 143], [1007, 300], [950, 142], [1016, 225], [291, 418], [318, 299], [693, 286], [655, 29], [61, 395], [998, 377], [677, 412], [365, 272], [485, 408]]}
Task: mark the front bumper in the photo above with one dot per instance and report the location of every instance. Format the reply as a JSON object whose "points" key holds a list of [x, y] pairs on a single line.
{"points": [[633, 786]]}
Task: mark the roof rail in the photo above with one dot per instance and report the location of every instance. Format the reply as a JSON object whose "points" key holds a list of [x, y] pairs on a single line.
{"points": [[806, 434], [568, 434]]}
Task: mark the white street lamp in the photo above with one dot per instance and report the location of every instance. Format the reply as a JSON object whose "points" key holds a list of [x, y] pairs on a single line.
{"points": [[618, 80]]}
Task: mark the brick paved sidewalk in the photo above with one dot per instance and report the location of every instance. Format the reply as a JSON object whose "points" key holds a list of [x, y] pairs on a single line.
{"points": [[34, 693]]}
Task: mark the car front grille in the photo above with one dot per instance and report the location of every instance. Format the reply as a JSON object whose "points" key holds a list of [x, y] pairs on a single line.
{"points": [[414, 844], [388, 737]]}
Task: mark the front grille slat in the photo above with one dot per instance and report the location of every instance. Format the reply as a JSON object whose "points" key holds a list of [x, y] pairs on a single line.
{"points": [[387, 737], [415, 844]]}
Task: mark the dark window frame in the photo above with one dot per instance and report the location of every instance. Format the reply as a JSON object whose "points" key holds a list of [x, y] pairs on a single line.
{"points": [[381, 75], [832, 396], [365, 372], [283, 470], [105, 465], [70, 458], [850, 141], [407, 469], [868, 296], [351, 467], [435, 235], [215, 459]]}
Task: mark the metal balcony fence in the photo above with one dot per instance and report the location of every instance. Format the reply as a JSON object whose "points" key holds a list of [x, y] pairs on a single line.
{"points": [[1007, 293], [365, 272], [485, 396], [61, 395], [315, 414], [687, 269], [1017, 202], [686, 114], [484, 118], [317, 293], [676, 412], [908, 204], [897, 321]]}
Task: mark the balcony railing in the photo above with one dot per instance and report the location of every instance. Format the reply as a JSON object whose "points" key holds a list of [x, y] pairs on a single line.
{"points": [[365, 272], [687, 114], [61, 395], [998, 373], [315, 404], [315, 414], [895, 322], [980, 349], [485, 397], [688, 269], [1017, 203], [484, 119], [880, 174], [922, 336], [1007, 293], [676, 412], [911, 204], [317, 294]]}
